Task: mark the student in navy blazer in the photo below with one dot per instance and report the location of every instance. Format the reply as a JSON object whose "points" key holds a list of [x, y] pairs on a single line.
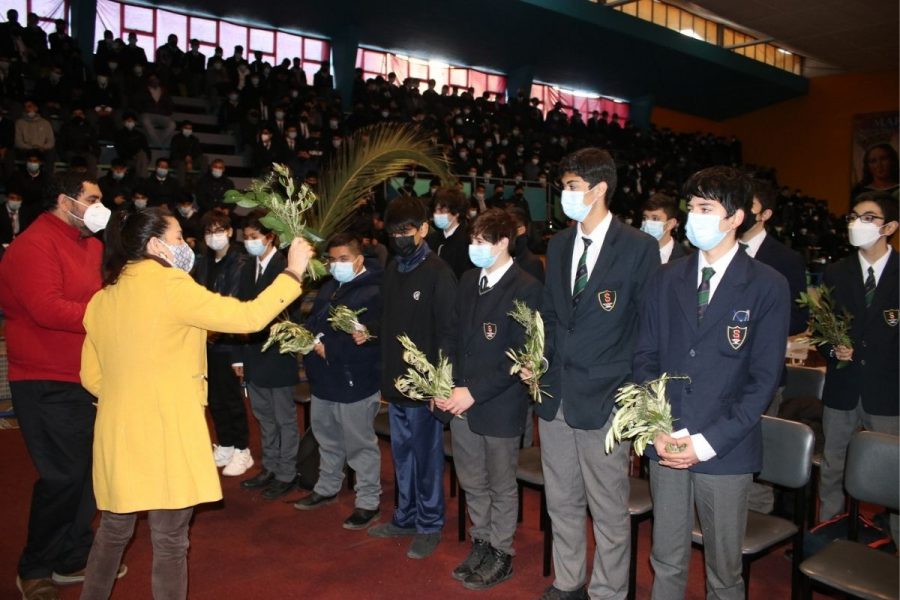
{"points": [[865, 392], [661, 220], [495, 402], [344, 372], [726, 333], [596, 273]]}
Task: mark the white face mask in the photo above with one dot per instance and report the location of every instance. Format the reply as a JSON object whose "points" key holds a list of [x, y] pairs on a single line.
{"points": [[655, 228], [216, 241], [863, 235], [217, 172], [140, 203], [255, 247], [95, 217], [703, 230]]}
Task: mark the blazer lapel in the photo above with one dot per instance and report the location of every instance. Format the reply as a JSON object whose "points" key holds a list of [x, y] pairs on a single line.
{"points": [[886, 291], [566, 270], [728, 293], [686, 291]]}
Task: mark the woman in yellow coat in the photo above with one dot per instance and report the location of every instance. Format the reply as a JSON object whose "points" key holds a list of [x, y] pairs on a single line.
{"points": [[144, 358]]}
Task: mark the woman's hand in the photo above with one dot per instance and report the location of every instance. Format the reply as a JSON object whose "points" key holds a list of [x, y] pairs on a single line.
{"points": [[299, 255]]}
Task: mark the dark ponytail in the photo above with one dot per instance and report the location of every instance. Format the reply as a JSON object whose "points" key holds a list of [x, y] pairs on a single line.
{"points": [[126, 238]]}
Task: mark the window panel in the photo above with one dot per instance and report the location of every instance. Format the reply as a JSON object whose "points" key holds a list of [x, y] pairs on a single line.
{"points": [[659, 14], [314, 49], [630, 9], [376, 62], [645, 10], [360, 53], [18, 5], [310, 68], [398, 66], [459, 77], [496, 84], [47, 9], [477, 80], [261, 40], [148, 43], [418, 69], [289, 46], [204, 30], [138, 19], [168, 23], [231, 35]]}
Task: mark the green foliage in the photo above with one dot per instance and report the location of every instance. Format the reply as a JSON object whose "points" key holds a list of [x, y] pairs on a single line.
{"points": [[372, 155], [423, 380], [346, 319], [827, 326], [643, 412], [531, 355], [291, 338]]}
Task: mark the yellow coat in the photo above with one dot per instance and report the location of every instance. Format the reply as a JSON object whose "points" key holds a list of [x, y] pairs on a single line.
{"points": [[144, 358]]}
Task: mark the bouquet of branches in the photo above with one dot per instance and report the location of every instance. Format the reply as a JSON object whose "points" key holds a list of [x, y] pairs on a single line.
{"points": [[531, 355], [291, 338], [643, 412], [346, 319], [827, 326], [423, 380], [286, 205]]}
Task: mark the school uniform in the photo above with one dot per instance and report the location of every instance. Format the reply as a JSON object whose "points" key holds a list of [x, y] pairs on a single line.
{"points": [[733, 356], [344, 388], [486, 441], [671, 251], [590, 336], [271, 377], [865, 392], [453, 248], [418, 294]]}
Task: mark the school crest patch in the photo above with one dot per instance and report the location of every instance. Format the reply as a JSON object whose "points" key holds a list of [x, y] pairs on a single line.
{"points": [[737, 336], [891, 316], [607, 299], [490, 331]]}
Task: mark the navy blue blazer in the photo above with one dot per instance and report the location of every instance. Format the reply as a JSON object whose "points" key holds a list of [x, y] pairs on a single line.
{"points": [[872, 375], [790, 264], [589, 348], [348, 373], [734, 357], [484, 332]]}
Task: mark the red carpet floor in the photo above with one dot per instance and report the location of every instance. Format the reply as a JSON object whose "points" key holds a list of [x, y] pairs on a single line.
{"points": [[248, 548]]}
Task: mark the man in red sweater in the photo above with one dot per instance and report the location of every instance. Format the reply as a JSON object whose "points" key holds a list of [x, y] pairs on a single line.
{"points": [[47, 277]]}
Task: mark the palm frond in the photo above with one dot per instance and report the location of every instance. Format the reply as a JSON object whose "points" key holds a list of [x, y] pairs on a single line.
{"points": [[374, 154]]}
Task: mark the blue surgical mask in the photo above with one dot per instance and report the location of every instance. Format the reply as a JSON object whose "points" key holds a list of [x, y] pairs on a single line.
{"points": [[655, 228], [703, 231], [573, 205], [441, 221], [255, 247], [482, 256], [342, 271]]}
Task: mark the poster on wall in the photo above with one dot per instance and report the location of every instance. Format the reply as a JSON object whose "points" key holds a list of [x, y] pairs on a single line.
{"points": [[875, 143]]}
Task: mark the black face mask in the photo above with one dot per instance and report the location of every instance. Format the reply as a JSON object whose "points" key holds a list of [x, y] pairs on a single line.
{"points": [[403, 246]]}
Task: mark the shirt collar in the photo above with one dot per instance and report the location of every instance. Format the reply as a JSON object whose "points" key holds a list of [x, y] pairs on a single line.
{"points": [[599, 233], [451, 230], [264, 262], [877, 266], [497, 274], [722, 263], [665, 251], [755, 242]]}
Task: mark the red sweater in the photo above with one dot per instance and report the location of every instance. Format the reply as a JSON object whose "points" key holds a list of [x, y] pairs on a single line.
{"points": [[47, 276]]}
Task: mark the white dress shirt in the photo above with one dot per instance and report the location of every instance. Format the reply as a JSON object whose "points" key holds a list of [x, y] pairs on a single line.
{"points": [[497, 274], [597, 237], [754, 243], [263, 263], [878, 266], [665, 251]]}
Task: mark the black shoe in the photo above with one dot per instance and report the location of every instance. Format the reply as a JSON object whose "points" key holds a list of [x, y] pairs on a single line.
{"points": [[495, 568], [314, 501], [361, 518], [277, 489], [480, 549], [261, 479], [552, 593]]}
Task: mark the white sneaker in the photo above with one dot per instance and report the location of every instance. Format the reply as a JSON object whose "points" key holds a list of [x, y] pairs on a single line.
{"points": [[222, 454], [240, 462]]}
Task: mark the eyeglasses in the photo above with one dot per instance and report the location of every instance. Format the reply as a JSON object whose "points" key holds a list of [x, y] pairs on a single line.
{"points": [[865, 218]]}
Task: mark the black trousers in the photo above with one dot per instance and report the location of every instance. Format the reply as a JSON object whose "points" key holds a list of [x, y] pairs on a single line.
{"points": [[226, 403], [57, 423]]}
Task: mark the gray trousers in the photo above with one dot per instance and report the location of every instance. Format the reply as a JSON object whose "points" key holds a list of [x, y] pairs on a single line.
{"points": [[345, 434], [579, 475], [762, 495], [278, 431], [721, 503], [839, 426], [169, 536], [486, 468]]}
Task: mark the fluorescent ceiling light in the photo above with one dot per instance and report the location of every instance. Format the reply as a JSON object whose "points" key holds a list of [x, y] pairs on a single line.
{"points": [[691, 33]]}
